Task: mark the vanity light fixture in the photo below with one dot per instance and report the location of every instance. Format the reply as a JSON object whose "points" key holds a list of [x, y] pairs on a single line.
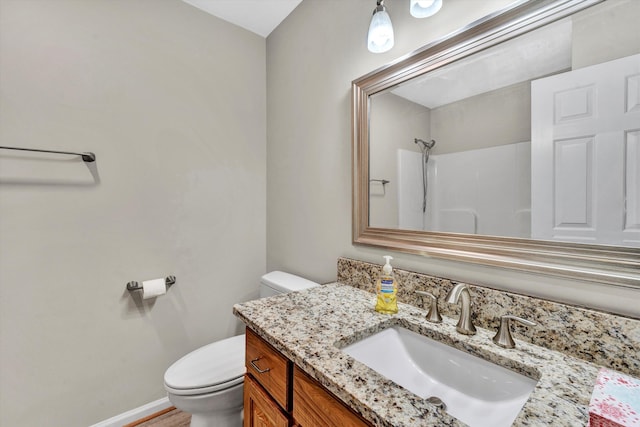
{"points": [[424, 8], [380, 37]]}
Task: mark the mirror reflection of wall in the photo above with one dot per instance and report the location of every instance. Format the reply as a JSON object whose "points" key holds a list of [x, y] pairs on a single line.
{"points": [[395, 122], [479, 111]]}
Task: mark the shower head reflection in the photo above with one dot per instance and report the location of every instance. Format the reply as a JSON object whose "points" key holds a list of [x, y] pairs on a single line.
{"points": [[425, 145]]}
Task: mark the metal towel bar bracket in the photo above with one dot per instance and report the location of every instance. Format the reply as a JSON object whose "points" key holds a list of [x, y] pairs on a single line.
{"points": [[87, 157], [382, 181], [135, 286]]}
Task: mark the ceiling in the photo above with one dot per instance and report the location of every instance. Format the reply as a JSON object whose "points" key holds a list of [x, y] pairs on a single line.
{"points": [[258, 16], [539, 53]]}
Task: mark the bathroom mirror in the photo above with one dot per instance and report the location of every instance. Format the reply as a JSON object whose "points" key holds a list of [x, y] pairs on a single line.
{"points": [[484, 146]]}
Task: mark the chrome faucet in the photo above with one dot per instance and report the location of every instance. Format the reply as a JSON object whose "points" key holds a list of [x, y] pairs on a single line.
{"points": [[465, 325]]}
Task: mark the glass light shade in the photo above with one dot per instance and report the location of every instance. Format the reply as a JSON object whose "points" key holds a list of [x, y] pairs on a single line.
{"points": [[380, 38], [424, 8]]}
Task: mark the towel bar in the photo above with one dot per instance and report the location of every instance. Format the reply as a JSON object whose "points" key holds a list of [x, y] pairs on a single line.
{"points": [[87, 157]]}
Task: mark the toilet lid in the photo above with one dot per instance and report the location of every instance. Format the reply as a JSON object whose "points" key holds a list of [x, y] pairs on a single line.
{"points": [[215, 366]]}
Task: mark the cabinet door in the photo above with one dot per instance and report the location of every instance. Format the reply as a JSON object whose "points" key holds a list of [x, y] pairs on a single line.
{"points": [[259, 409], [313, 406]]}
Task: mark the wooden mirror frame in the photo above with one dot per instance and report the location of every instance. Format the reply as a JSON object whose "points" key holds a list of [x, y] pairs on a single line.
{"points": [[612, 265]]}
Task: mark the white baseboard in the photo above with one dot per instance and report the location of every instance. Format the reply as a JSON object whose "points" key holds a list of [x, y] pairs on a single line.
{"points": [[135, 414]]}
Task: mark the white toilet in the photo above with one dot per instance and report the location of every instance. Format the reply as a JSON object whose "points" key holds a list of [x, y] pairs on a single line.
{"points": [[207, 383]]}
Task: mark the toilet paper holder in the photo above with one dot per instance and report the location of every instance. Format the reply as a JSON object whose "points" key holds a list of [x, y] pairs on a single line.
{"points": [[135, 286]]}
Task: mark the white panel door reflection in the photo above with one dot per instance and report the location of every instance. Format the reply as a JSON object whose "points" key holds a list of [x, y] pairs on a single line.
{"points": [[585, 155]]}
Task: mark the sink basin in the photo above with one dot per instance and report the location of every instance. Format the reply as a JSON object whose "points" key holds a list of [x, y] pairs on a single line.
{"points": [[475, 391]]}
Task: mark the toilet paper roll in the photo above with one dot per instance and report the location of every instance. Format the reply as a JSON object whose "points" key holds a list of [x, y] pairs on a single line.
{"points": [[153, 288]]}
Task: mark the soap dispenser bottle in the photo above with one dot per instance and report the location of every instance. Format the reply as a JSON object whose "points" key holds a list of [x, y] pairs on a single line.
{"points": [[386, 290]]}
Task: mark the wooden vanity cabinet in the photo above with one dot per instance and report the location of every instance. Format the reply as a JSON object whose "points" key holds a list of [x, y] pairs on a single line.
{"points": [[279, 394], [314, 406]]}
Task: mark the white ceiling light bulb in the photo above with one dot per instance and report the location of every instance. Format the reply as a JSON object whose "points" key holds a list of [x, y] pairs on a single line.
{"points": [[424, 8], [380, 37]]}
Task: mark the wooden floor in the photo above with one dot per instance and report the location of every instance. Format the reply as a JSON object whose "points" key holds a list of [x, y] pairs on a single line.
{"points": [[170, 418]]}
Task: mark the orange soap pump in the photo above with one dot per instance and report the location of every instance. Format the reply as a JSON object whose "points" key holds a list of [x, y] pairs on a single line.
{"points": [[386, 290]]}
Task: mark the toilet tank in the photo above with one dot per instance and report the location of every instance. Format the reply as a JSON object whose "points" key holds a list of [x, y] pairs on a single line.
{"points": [[279, 282]]}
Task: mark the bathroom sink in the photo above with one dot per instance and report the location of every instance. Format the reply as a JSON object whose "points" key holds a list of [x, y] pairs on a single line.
{"points": [[473, 390]]}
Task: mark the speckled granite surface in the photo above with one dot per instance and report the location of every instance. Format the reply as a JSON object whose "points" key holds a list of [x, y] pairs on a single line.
{"points": [[306, 327], [602, 338]]}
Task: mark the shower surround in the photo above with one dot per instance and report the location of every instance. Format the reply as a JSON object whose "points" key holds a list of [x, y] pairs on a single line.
{"points": [[485, 191]]}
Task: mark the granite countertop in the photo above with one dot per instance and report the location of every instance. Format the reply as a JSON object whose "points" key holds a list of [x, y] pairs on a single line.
{"points": [[308, 327]]}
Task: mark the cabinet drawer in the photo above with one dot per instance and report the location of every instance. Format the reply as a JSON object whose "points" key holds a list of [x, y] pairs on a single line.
{"points": [[316, 407], [270, 368]]}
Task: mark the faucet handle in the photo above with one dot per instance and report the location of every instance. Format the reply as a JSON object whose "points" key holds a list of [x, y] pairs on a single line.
{"points": [[503, 337], [433, 315]]}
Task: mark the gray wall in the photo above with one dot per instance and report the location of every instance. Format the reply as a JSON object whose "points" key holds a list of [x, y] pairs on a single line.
{"points": [[311, 60], [472, 122], [605, 32], [173, 103], [395, 122]]}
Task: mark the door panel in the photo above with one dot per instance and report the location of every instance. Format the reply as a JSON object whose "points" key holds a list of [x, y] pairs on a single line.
{"points": [[585, 161]]}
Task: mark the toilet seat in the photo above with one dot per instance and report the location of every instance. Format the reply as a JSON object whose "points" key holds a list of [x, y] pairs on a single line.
{"points": [[214, 367]]}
